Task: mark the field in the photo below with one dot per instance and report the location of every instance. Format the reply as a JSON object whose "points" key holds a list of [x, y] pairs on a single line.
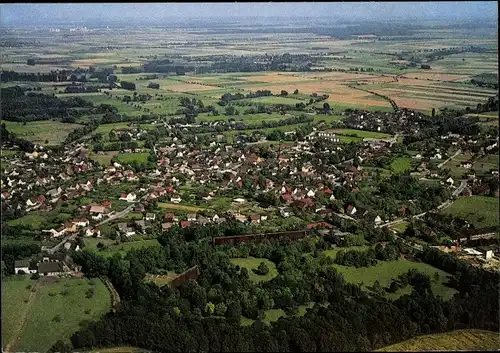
{"points": [[179, 207], [161, 280], [361, 133], [64, 298], [401, 164], [125, 158], [464, 340], [481, 211], [45, 132], [385, 271], [122, 349], [252, 263], [104, 159], [121, 248], [273, 315]]}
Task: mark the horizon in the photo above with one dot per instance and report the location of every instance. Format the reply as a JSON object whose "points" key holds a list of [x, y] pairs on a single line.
{"points": [[147, 13]]}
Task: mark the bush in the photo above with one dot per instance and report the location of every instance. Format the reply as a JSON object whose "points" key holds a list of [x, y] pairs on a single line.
{"points": [[35, 276], [29, 286], [262, 270], [57, 318], [64, 292]]}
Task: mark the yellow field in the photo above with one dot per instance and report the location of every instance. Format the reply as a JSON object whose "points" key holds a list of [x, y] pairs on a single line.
{"points": [[173, 206], [455, 340]]}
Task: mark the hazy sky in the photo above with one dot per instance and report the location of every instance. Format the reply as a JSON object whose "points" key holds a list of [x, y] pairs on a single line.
{"points": [[11, 14]]}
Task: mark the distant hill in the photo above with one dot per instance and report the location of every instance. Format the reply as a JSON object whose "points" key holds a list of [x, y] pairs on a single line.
{"points": [[473, 340]]}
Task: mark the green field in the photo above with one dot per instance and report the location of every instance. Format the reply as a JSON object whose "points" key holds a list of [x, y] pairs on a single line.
{"points": [[362, 133], [273, 315], [463, 340], [385, 271], [125, 158], [251, 262], [401, 164], [30, 221], [121, 248], [400, 227], [42, 330], [105, 159], [481, 211], [179, 207], [44, 132], [333, 252]]}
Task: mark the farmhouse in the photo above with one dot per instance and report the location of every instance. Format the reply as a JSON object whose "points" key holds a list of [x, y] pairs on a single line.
{"points": [[24, 266], [50, 268], [128, 197]]}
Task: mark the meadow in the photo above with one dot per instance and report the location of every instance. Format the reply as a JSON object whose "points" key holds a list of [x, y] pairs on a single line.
{"points": [[401, 164], [111, 249], [385, 271], [179, 207], [481, 211], [54, 312], [251, 263], [124, 158], [45, 132], [362, 133], [464, 340]]}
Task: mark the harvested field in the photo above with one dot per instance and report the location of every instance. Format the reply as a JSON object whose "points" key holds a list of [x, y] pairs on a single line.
{"points": [[189, 87], [434, 76]]}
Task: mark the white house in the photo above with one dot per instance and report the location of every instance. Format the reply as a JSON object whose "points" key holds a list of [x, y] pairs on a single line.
{"points": [[80, 222], [263, 217], [53, 232], [128, 197], [150, 216], [23, 265], [450, 181], [175, 199], [378, 220], [332, 198], [311, 193], [93, 231]]}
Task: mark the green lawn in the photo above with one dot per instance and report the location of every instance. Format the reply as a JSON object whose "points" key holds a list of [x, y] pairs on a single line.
{"points": [[251, 262], [401, 164], [54, 132], [467, 340], [124, 158], [481, 211], [333, 252], [273, 315], [41, 331], [400, 227], [362, 133], [29, 221], [14, 293], [123, 248], [385, 271]]}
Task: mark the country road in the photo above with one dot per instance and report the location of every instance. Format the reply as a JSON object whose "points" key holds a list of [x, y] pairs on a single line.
{"points": [[461, 188], [446, 161]]}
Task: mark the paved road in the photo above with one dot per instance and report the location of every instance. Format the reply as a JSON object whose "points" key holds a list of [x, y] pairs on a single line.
{"points": [[461, 188], [446, 161]]}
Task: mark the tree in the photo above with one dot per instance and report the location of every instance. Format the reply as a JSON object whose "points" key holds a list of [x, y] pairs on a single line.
{"points": [[296, 91], [230, 110], [433, 112], [284, 93], [220, 309], [262, 270], [233, 312]]}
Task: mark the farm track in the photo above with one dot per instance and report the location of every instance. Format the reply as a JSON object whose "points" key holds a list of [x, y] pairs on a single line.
{"points": [[115, 297], [24, 319]]}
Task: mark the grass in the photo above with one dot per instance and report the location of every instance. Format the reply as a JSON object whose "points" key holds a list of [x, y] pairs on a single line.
{"points": [[41, 331], [401, 164], [14, 293], [385, 271], [362, 133], [481, 211], [252, 263], [333, 252], [122, 349], [467, 340], [105, 159], [45, 132], [123, 248], [124, 158], [30, 221], [161, 280], [179, 207], [400, 227], [273, 315]]}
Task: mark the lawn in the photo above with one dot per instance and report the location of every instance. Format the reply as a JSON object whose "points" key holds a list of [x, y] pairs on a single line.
{"points": [[251, 262], [385, 271], [104, 159], [44, 132], [333, 252], [14, 293], [481, 211], [400, 227], [125, 247], [161, 280], [466, 340], [273, 315], [42, 330], [401, 164], [29, 221], [179, 207], [362, 133], [122, 349], [124, 158]]}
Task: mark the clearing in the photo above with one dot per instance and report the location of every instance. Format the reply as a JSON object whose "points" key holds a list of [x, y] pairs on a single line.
{"points": [[481, 211], [45, 132], [179, 207], [401, 164], [466, 340], [252, 263]]}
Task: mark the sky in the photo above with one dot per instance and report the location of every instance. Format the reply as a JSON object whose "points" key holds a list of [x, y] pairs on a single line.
{"points": [[12, 14]]}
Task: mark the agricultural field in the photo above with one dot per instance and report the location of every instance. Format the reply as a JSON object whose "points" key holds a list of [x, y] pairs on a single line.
{"points": [[466, 340], [53, 312], [385, 271], [124, 158], [401, 164], [251, 263], [481, 211], [122, 248], [361, 133], [105, 158], [45, 132], [179, 207]]}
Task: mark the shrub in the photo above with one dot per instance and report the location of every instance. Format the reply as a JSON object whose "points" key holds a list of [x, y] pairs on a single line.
{"points": [[35, 276], [57, 318]]}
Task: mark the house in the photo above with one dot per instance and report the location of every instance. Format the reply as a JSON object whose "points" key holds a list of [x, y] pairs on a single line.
{"points": [[24, 266], [240, 217], [139, 208], [286, 197], [166, 226], [254, 219], [450, 181], [284, 213], [191, 217], [125, 229], [185, 224], [90, 232], [203, 220], [263, 217], [97, 212], [466, 165], [80, 222], [50, 268], [54, 192], [350, 210], [53, 232], [175, 199], [168, 217], [150, 216], [378, 220], [140, 224], [128, 197]]}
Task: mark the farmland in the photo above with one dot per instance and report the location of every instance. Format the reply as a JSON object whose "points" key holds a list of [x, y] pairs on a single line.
{"points": [[481, 211], [472, 340], [55, 310], [124, 158], [42, 132]]}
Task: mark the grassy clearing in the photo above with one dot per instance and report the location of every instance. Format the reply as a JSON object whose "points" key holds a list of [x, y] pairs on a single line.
{"points": [[481, 211], [252, 263], [385, 271], [42, 331], [104, 159], [401, 164], [473, 340], [179, 207], [30, 221], [45, 132], [124, 158], [333, 252], [14, 293], [274, 315], [161, 280], [362, 133], [400, 227], [123, 248], [123, 349]]}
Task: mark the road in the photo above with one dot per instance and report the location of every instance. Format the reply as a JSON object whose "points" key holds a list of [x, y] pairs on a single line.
{"points": [[74, 235], [461, 188], [446, 161]]}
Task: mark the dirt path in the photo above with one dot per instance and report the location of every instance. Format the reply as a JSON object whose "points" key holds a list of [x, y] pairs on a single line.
{"points": [[24, 317]]}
